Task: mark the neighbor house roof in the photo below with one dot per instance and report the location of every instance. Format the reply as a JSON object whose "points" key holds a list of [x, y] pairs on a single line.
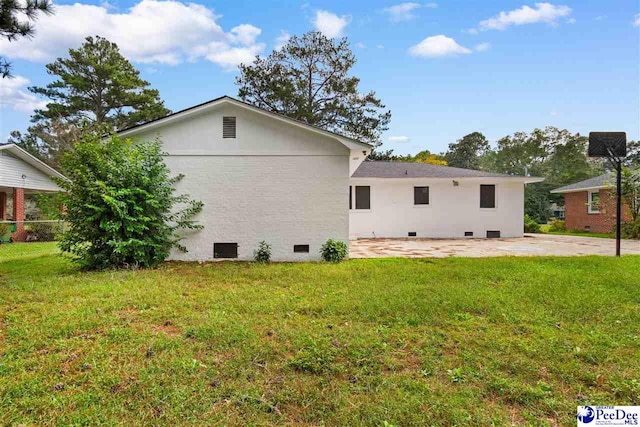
{"points": [[602, 181], [349, 142], [30, 159], [390, 169]]}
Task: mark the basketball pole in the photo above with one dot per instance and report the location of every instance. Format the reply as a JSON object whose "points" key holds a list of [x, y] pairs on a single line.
{"points": [[618, 205]]}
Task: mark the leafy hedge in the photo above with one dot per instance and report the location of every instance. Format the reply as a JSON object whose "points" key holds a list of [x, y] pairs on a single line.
{"points": [[121, 205]]}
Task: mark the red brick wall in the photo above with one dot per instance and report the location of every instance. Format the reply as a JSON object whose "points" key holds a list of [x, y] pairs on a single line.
{"points": [[578, 216], [18, 214], [3, 206]]}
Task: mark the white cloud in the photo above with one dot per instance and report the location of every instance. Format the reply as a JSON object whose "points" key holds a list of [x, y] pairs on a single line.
{"points": [[636, 20], [379, 46], [571, 21], [245, 34], [12, 94], [402, 12], [163, 32], [281, 40], [330, 24], [361, 45], [542, 12], [483, 47], [399, 138], [437, 46]]}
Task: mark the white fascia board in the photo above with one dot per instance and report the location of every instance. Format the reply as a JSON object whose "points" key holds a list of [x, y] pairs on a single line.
{"points": [[524, 179], [577, 190]]}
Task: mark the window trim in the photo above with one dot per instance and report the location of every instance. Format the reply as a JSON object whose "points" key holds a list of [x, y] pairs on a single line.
{"points": [[495, 197], [356, 199], [422, 205], [590, 209]]}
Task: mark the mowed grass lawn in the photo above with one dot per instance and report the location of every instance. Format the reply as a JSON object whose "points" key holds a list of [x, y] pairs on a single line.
{"points": [[367, 342]]}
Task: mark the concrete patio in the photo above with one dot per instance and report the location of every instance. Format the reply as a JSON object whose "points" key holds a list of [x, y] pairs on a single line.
{"points": [[530, 245]]}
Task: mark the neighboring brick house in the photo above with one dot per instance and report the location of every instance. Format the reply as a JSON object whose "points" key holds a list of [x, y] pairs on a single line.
{"points": [[590, 205]]}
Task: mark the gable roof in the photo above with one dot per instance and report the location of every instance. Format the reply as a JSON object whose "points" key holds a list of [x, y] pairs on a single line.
{"points": [[30, 159], [594, 183], [390, 169], [349, 142]]}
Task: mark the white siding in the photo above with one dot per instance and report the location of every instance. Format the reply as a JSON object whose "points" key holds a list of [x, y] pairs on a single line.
{"points": [[12, 169], [274, 182], [451, 211]]}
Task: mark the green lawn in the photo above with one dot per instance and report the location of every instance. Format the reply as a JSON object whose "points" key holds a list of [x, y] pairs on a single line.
{"points": [[407, 342]]}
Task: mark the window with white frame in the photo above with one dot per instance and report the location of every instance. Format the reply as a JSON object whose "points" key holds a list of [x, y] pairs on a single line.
{"points": [[594, 200]]}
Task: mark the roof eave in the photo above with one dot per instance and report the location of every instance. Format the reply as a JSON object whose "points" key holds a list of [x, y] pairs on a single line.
{"points": [[525, 179], [32, 160], [577, 190]]}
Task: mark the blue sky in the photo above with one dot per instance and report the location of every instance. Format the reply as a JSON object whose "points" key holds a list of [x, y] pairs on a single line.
{"points": [[444, 68]]}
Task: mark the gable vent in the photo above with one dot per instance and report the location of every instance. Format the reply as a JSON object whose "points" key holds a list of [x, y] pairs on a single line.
{"points": [[228, 127]]}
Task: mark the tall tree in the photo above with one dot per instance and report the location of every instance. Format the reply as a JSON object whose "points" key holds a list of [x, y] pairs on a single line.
{"points": [[466, 152], [96, 89], [16, 20], [633, 154], [98, 85], [308, 79], [555, 154]]}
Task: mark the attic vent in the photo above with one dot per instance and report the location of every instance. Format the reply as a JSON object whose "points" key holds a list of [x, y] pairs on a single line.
{"points": [[228, 127]]}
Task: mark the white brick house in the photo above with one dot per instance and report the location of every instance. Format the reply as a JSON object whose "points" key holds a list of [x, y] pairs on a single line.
{"points": [[263, 176]]}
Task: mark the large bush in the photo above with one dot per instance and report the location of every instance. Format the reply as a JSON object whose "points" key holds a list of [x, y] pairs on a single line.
{"points": [[121, 205]]}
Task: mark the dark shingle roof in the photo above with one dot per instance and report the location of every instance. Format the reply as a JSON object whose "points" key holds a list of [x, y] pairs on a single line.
{"points": [[595, 182], [381, 169]]}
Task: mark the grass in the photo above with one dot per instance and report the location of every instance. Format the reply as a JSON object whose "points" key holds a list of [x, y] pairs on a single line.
{"points": [[453, 341], [580, 233]]}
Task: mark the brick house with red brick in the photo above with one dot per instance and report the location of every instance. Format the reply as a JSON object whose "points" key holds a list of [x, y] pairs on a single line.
{"points": [[20, 174], [590, 205]]}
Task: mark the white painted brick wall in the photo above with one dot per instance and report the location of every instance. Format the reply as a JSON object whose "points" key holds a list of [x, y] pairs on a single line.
{"points": [[452, 210], [275, 182], [284, 201]]}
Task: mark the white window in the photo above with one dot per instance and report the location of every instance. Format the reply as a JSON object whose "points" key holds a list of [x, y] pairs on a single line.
{"points": [[594, 200]]}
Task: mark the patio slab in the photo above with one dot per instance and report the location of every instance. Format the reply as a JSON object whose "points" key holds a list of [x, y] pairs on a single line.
{"points": [[530, 245]]}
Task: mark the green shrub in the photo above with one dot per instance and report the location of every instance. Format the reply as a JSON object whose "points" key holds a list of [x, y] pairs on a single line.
{"points": [[4, 229], [630, 230], [531, 225], [263, 253], [334, 250], [557, 225], [120, 204]]}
